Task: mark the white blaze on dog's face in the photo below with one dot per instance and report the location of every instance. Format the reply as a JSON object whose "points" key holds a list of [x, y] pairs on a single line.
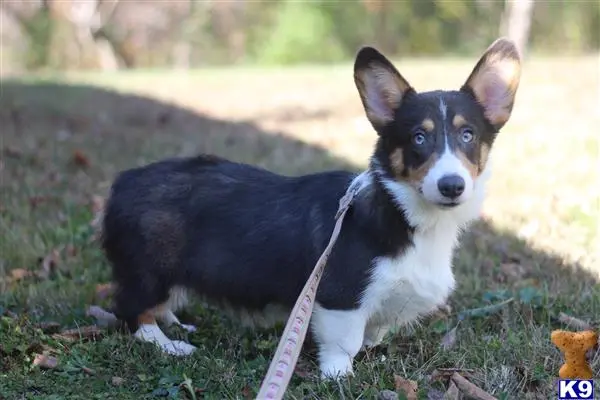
{"points": [[438, 142]]}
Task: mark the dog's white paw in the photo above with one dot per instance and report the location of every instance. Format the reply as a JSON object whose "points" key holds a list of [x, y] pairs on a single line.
{"points": [[336, 367], [152, 333], [189, 328], [178, 348]]}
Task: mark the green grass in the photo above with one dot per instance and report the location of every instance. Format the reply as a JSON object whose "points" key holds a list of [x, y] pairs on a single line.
{"points": [[541, 214]]}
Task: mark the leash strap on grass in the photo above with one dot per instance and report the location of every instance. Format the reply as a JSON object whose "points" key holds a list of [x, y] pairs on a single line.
{"points": [[282, 366]]}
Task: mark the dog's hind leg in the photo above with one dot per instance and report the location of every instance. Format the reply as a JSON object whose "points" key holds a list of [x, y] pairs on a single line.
{"points": [[166, 312], [149, 331], [139, 302]]}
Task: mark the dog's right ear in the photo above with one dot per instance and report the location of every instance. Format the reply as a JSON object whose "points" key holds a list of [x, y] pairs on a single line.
{"points": [[380, 85]]}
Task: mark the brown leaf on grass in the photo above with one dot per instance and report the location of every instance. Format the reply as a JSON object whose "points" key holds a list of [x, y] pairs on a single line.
{"points": [[117, 381], [452, 393], [104, 290], [91, 332], [470, 389], [409, 387], [80, 159], [574, 322], [44, 361], [449, 339], [18, 274]]}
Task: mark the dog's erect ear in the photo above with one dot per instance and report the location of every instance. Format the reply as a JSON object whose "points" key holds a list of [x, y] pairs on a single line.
{"points": [[380, 85], [495, 79]]}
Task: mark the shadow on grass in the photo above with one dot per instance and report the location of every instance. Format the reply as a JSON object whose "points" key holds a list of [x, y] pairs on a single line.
{"points": [[62, 144]]}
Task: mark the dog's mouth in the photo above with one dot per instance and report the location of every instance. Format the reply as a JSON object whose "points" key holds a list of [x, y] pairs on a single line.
{"points": [[448, 205]]}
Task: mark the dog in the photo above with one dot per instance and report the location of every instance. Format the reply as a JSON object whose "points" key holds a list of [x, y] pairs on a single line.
{"points": [[247, 239]]}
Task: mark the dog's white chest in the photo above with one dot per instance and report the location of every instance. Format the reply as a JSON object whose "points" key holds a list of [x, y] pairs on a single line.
{"points": [[415, 283]]}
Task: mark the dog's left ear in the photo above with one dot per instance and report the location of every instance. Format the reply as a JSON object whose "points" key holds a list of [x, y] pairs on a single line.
{"points": [[494, 81], [380, 85]]}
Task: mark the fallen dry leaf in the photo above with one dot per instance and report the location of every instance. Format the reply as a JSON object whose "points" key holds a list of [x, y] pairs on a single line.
{"points": [[44, 361], [80, 159], [81, 333], [19, 274], [117, 380], [449, 339], [409, 387]]}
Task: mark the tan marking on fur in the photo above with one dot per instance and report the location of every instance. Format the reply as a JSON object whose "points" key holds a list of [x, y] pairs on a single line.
{"points": [[428, 124], [147, 317], [483, 156], [472, 168], [416, 175], [397, 163], [458, 121]]}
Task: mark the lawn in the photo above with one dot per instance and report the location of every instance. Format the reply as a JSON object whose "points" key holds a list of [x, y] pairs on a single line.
{"points": [[533, 255]]}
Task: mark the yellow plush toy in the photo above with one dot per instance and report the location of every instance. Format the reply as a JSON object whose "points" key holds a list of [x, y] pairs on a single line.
{"points": [[574, 345]]}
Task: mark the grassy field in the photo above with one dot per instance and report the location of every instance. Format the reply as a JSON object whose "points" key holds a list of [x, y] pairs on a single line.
{"points": [[535, 250]]}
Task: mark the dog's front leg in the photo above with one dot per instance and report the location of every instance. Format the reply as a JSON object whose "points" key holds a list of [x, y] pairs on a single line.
{"points": [[339, 336]]}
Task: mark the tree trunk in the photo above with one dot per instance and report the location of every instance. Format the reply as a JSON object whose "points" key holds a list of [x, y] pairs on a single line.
{"points": [[517, 22]]}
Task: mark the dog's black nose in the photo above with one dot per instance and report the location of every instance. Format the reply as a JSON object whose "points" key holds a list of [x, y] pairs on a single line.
{"points": [[451, 186]]}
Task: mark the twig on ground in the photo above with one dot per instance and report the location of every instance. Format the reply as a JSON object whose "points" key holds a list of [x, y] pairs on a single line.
{"points": [[446, 373], [573, 322], [470, 389]]}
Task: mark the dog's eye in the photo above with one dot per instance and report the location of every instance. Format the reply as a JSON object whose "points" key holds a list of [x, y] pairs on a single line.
{"points": [[419, 138], [466, 135]]}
